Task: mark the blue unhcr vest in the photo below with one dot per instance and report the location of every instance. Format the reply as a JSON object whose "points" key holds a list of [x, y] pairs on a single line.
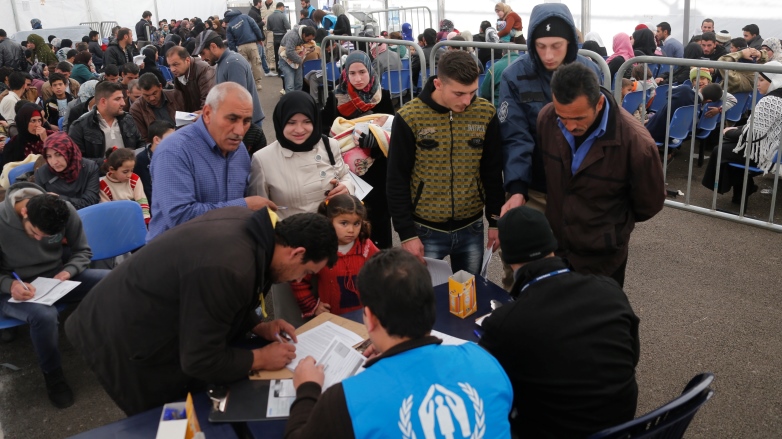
{"points": [[432, 392]]}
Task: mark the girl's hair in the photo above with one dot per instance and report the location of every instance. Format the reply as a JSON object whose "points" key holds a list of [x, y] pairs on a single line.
{"points": [[115, 157], [346, 204], [638, 72]]}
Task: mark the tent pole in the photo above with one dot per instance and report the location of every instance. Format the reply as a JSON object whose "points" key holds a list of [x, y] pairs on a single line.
{"points": [[157, 15], [16, 16], [586, 16], [686, 27]]}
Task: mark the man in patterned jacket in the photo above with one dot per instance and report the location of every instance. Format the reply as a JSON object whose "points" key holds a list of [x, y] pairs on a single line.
{"points": [[444, 166]]}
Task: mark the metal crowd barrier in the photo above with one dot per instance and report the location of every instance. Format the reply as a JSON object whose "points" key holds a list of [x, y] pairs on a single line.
{"points": [[509, 46], [331, 72], [725, 68], [419, 17], [93, 25]]}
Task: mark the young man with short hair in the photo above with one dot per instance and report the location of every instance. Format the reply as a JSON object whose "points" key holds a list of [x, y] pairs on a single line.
{"points": [[291, 64], [445, 168], [11, 53], [158, 131], [752, 36], [120, 51], [58, 103], [711, 49], [278, 25], [33, 227], [671, 47], [144, 28], [72, 86], [244, 37], [18, 84], [413, 385], [111, 73]]}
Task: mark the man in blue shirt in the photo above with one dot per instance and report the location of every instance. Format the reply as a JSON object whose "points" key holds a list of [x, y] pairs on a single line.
{"points": [[671, 47], [231, 67], [205, 165]]}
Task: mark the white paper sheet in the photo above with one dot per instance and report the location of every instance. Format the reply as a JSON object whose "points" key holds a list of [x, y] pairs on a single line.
{"points": [[439, 270], [448, 339], [48, 291], [362, 187], [281, 397], [487, 254], [183, 118], [315, 341], [340, 361]]}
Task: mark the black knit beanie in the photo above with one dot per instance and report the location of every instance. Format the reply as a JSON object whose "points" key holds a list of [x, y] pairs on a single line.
{"points": [[525, 235], [553, 27]]}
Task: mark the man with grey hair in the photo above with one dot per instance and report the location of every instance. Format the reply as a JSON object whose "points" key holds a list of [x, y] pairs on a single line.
{"points": [[204, 166]]}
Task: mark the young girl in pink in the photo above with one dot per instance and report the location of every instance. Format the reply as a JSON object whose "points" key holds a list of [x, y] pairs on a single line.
{"points": [[120, 183], [336, 286]]}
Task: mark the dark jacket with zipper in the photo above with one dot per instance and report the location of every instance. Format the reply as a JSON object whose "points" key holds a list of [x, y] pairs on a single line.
{"points": [[115, 55], [86, 133], [620, 182], [443, 167]]}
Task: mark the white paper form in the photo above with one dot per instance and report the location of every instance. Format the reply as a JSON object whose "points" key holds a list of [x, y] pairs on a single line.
{"points": [[315, 341], [439, 271], [48, 291], [340, 361], [448, 340], [281, 397], [182, 118], [362, 187]]}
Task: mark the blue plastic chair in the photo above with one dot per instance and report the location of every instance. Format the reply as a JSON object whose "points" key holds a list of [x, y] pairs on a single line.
{"points": [[669, 421], [19, 170], [734, 114], [753, 171], [309, 66], [660, 98], [113, 228], [418, 80], [332, 72], [749, 101], [488, 65], [167, 75], [481, 78], [397, 82], [632, 101], [681, 125], [406, 64], [60, 122], [707, 124]]}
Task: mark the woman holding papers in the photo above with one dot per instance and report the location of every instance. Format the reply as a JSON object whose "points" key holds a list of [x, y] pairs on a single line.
{"points": [[302, 168], [361, 107]]}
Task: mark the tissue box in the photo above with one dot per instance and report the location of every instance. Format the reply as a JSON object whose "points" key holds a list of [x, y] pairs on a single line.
{"points": [[178, 421], [461, 294]]}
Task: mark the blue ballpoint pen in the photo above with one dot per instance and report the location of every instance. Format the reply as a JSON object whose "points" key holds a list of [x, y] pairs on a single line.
{"points": [[16, 276]]}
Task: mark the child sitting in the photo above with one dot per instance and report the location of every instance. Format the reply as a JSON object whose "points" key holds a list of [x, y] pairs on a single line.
{"points": [[158, 130], [120, 183], [336, 286]]}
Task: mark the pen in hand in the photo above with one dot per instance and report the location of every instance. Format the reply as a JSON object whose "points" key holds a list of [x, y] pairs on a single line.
{"points": [[16, 276], [280, 339]]}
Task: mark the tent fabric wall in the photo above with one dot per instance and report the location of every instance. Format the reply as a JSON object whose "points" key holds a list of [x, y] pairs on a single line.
{"points": [[60, 13]]}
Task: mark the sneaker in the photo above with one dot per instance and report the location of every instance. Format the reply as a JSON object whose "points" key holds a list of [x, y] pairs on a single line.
{"points": [[270, 73], [282, 92], [60, 393]]}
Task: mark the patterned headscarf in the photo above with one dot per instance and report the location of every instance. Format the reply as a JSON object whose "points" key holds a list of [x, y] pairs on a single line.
{"points": [[87, 90], [37, 71], [775, 46], [42, 51], [350, 101], [63, 144]]}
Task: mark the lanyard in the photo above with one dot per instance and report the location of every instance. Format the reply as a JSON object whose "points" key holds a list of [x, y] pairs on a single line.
{"points": [[545, 276]]}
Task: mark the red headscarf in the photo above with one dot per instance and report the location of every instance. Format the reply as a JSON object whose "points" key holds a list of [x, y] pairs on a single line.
{"points": [[63, 144]]}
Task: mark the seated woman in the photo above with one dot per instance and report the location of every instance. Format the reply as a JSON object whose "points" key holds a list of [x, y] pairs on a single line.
{"points": [[359, 94], [30, 136], [81, 68], [760, 144], [299, 170], [40, 74], [150, 63], [67, 174]]}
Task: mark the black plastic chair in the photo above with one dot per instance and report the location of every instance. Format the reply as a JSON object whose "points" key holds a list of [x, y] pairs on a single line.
{"points": [[669, 421]]}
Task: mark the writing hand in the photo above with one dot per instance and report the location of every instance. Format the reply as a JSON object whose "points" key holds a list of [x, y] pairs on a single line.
{"points": [[18, 292], [273, 356]]}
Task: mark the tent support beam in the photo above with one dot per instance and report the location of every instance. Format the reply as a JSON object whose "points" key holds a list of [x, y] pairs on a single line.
{"points": [[16, 16]]}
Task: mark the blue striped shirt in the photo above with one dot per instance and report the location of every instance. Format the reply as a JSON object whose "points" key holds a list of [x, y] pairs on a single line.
{"points": [[190, 176]]}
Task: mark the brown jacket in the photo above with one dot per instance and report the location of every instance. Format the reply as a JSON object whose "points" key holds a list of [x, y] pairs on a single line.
{"points": [[200, 79], [619, 182], [73, 89], [143, 113]]}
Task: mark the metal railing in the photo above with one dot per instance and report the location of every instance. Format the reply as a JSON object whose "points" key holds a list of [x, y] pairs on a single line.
{"points": [[419, 17], [724, 68], [331, 73], [508, 46]]}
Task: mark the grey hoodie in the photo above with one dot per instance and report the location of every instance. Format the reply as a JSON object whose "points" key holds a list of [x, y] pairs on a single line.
{"points": [[31, 258]]}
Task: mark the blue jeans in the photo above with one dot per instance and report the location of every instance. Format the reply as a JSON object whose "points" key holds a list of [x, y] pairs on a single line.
{"points": [[292, 78], [465, 246], [43, 320], [262, 52]]}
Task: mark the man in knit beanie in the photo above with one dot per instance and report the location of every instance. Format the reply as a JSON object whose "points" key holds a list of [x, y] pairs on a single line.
{"points": [[561, 328]]}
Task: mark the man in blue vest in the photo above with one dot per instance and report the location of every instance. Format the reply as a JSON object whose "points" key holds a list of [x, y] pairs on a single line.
{"points": [[413, 386]]}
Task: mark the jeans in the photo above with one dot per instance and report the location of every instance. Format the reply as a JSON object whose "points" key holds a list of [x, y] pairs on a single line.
{"points": [[43, 320], [262, 52], [465, 246], [292, 78]]}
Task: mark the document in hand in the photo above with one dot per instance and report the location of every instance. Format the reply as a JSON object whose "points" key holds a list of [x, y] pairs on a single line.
{"points": [[317, 340], [183, 118], [48, 291]]}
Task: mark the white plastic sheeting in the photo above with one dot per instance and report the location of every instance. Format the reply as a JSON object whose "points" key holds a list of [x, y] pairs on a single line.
{"points": [[60, 13]]}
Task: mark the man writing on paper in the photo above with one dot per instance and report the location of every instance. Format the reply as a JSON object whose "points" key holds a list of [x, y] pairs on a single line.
{"points": [[413, 383], [160, 324], [33, 228]]}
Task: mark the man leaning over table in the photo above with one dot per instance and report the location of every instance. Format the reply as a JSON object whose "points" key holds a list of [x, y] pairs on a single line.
{"points": [[161, 324], [412, 386]]}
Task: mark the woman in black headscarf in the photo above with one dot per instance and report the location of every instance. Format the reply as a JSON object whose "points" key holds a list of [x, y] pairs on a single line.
{"points": [[643, 43], [150, 63], [682, 73], [302, 168], [30, 137]]}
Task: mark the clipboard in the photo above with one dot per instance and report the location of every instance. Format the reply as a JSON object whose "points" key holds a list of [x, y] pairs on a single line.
{"points": [[283, 373]]}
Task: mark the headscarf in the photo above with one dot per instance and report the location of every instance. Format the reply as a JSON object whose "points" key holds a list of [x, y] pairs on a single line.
{"points": [[350, 101], [150, 56], [37, 71], [22, 119], [407, 32], [377, 48], [594, 36], [292, 103], [643, 40], [42, 51], [36, 23], [446, 26], [622, 47], [774, 78], [338, 10], [63, 144], [87, 90], [775, 46]]}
